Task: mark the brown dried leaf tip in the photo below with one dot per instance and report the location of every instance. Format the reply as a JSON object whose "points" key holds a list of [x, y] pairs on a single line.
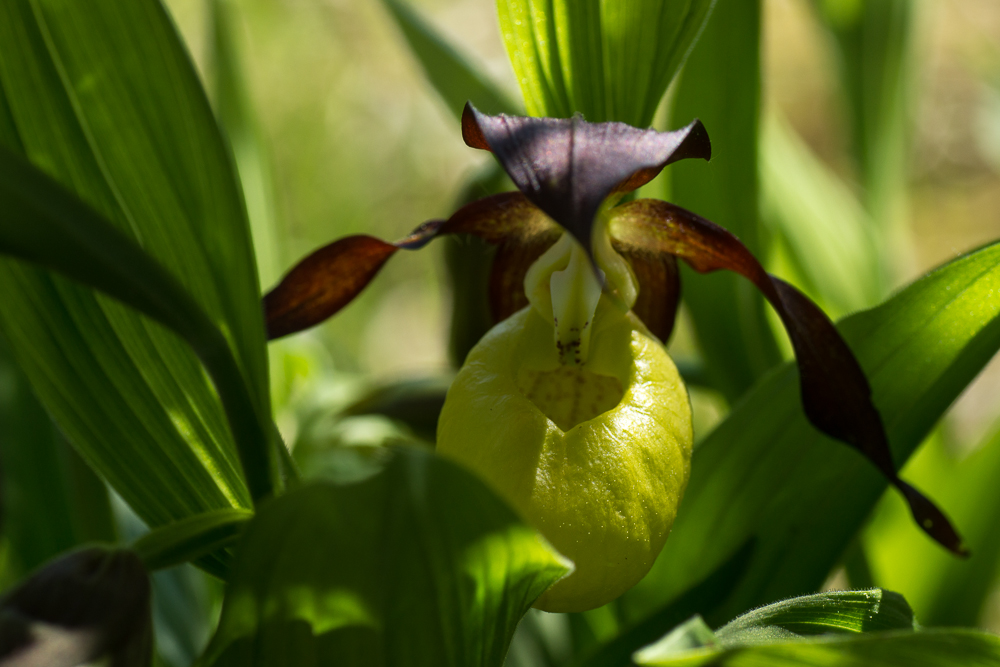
{"points": [[566, 170]]}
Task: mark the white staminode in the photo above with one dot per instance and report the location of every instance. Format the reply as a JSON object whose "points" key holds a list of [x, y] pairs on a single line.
{"points": [[563, 287]]}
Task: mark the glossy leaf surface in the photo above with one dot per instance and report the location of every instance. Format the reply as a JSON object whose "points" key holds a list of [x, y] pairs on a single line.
{"points": [[103, 98], [607, 59], [419, 564], [847, 628], [766, 472], [48, 226]]}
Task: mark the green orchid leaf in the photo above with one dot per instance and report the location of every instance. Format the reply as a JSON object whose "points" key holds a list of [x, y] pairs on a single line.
{"points": [[827, 232], [839, 611], [103, 98], [931, 648], [766, 472], [451, 74], [418, 565], [52, 501], [191, 538], [721, 86], [46, 225], [609, 60], [943, 591], [88, 604], [849, 628]]}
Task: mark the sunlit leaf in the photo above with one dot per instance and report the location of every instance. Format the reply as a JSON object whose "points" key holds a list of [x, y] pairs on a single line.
{"points": [[103, 97], [419, 565], [766, 472], [609, 60], [944, 591], [48, 226], [849, 628]]}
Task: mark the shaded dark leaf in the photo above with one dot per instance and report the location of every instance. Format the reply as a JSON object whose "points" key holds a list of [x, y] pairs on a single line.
{"points": [[567, 167], [416, 403], [90, 603], [419, 564], [835, 393], [191, 538]]}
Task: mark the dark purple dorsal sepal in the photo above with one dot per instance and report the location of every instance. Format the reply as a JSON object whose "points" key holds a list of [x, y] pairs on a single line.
{"points": [[567, 167]]}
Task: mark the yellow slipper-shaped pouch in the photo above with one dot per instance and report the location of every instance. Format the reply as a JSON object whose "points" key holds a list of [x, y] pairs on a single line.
{"points": [[596, 456]]}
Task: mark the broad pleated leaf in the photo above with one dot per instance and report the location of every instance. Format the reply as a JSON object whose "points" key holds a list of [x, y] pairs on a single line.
{"points": [[48, 226], [607, 59], [931, 648], [103, 97], [721, 86], [847, 628], [419, 565], [455, 79], [51, 500], [766, 472]]}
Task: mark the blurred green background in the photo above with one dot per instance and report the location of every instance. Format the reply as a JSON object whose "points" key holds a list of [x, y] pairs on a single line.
{"points": [[357, 141]]}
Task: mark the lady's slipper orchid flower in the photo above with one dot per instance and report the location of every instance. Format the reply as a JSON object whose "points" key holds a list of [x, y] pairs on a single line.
{"points": [[569, 407]]}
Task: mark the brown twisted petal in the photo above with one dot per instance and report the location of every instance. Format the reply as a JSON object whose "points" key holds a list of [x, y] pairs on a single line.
{"points": [[330, 278], [835, 393], [659, 287], [567, 167]]}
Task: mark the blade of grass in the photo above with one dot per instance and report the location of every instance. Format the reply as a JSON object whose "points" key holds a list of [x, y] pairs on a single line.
{"points": [[721, 86]]}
